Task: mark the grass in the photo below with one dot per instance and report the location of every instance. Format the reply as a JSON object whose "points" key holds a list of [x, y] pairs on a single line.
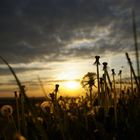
{"points": [[75, 118], [110, 115]]}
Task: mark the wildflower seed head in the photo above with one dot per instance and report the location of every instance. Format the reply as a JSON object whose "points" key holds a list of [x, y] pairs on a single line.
{"points": [[6, 110], [113, 71]]}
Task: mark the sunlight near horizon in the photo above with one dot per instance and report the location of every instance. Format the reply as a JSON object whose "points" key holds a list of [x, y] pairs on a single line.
{"points": [[71, 88], [71, 85]]}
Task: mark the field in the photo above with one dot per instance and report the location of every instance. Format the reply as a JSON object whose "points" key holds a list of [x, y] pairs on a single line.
{"points": [[110, 113], [70, 118]]}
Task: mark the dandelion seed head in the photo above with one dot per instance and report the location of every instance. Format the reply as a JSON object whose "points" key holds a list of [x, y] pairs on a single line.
{"points": [[6, 110], [47, 106]]}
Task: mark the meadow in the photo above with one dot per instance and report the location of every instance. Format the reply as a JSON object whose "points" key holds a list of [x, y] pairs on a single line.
{"points": [[111, 113]]}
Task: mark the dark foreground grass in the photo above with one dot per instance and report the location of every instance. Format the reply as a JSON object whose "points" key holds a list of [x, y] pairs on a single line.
{"points": [[75, 119]]}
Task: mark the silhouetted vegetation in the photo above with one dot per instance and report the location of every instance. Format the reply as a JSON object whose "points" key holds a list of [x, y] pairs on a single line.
{"points": [[110, 114], [114, 114]]}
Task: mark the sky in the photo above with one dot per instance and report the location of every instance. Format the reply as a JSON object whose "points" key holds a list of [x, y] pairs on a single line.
{"points": [[57, 40]]}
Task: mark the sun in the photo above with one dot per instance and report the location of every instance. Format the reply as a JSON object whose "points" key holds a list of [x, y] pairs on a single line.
{"points": [[71, 85]]}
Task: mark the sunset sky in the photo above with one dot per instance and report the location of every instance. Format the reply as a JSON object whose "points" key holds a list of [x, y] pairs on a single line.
{"points": [[58, 40]]}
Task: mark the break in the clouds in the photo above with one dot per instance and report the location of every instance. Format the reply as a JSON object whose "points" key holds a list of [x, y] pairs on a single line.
{"points": [[55, 30]]}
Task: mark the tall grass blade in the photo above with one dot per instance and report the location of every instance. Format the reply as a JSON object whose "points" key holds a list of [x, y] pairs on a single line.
{"points": [[30, 107], [136, 44], [136, 80], [42, 87], [21, 92]]}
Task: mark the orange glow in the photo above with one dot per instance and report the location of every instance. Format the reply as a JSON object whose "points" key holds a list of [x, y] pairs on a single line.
{"points": [[71, 88], [71, 85]]}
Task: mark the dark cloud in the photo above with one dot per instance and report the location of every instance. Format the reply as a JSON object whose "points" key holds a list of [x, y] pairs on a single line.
{"points": [[6, 71], [40, 30]]}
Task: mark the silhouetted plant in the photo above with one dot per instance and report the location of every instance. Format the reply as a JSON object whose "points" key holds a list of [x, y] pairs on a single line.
{"points": [[88, 82], [120, 78], [97, 63]]}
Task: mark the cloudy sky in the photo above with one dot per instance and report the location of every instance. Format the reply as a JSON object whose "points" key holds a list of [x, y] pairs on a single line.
{"points": [[59, 39]]}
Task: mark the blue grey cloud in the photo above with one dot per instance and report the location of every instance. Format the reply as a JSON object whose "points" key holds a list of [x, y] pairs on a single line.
{"points": [[41, 30]]}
